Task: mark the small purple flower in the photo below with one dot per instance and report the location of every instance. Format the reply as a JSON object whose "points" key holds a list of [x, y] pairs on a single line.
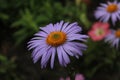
{"points": [[113, 38], [61, 39], [111, 10]]}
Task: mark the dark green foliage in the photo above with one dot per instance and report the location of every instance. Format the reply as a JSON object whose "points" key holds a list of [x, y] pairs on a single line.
{"points": [[36, 15], [7, 69]]}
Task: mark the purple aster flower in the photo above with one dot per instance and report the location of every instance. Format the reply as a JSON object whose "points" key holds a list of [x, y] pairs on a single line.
{"points": [[111, 10], [58, 39], [113, 38]]}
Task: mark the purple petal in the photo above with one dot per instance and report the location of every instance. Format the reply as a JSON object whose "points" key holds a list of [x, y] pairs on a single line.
{"points": [[36, 55], [115, 43], [72, 48], [74, 30], [35, 43], [64, 26], [99, 14], [68, 50], [113, 16], [46, 56], [49, 28], [59, 53], [58, 26], [101, 8], [109, 3], [37, 49], [77, 37], [53, 57], [115, 2], [104, 5], [41, 33], [78, 48], [70, 26], [106, 18], [65, 56]]}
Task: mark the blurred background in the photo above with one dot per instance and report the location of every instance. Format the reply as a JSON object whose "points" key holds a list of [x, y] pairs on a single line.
{"points": [[20, 19]]}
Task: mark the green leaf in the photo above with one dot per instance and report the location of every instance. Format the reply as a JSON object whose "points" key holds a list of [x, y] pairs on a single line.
{"points": [[85, 21], [4, 16], [2, 58], [20, 39]]}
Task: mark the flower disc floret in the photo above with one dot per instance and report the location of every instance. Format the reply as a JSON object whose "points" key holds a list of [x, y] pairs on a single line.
{"points": [[117, 33], [56, 38], [112, 8]]}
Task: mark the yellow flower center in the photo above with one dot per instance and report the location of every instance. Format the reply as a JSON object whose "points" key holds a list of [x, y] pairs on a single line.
{"points": [[56, 38], [117, 33], [112, 8], [99, 32]]}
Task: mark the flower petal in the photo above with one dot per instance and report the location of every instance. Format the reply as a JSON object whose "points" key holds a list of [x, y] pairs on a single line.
{"points": [[53, 57]]}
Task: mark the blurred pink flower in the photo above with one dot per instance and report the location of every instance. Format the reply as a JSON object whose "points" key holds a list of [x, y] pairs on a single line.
{"points": [[79, 77], [99, 31], [61, 78], [67, 78]]}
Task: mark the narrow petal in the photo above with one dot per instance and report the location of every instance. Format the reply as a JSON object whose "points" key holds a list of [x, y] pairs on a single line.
{"points": [[99, 14], [115, 43], [68, 50], [104, 5], [115, 2], [38, 49], [53, 57], [64, 26], [73, 49], [113, 18], [41, 33], [46, 56], [60, 58], [49, 28], [65, 56], [35, 44], [36, 55], [70, 26], [107, 17], [74, 30], [58, 26], [77, 37]]}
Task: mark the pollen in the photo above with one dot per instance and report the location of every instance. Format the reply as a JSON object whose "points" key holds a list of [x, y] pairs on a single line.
{"points": [[117, 33], [56, 38], [99, 32], [112, 8]]}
